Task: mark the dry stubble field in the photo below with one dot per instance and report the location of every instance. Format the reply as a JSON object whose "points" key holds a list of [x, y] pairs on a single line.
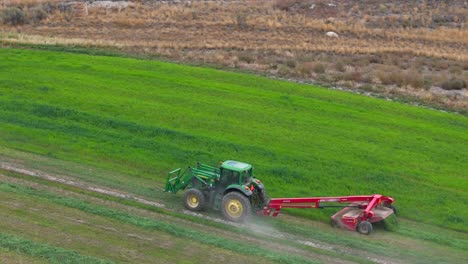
{"points": [[407, 50]]}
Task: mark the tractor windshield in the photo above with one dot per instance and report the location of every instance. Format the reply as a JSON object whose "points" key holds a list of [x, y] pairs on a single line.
{"points": [[229, 177]]}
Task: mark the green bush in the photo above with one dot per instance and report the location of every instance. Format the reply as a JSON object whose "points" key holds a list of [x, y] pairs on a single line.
{"points": [[246, 58], [391, 76], [414, 79], [291, 63], [305, 68], [37, 14], [319, 68], [454, 84], [13, 16], [339, 66]]}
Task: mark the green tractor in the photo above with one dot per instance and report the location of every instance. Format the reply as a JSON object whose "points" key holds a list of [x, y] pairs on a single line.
{"points": [[231, 188]]}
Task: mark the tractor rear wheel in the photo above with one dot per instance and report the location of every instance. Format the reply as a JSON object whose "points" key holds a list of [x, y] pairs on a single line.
{"points": [[194, 200], [236, 207], [365, 227]]}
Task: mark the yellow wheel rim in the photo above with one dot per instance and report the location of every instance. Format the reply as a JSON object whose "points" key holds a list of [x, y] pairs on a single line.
{"points": [[234, 208], [192, 201]]}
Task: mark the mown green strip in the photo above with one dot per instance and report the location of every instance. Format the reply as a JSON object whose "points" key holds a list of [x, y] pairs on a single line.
{"points": [[148, 223], [44, 251], [429, 235]]}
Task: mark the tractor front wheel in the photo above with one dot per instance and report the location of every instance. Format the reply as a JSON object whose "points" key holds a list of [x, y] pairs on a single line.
{"points": [[194, 200], [236, 207], [365, 227]]}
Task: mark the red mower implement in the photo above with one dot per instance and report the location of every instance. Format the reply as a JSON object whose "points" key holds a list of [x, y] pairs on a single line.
{"points": [[358, 215]]}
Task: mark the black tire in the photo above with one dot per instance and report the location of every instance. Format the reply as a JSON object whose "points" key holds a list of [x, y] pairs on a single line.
{"points": [[259, 199], [391, 223], [265, 197], [365, 227], [395, 211], [194, 200], [334, 223], [236, 207]]}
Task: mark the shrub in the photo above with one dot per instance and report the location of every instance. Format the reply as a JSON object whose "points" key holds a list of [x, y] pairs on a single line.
{"points": [[291, 63], [339, 66], [283, 70], [414, 79], [241, 21], [285, 5], [319, 68], [37, 14], [455, 69], [305, 68], [354, 76], [13, 16], [375, 59], [246, 58], [465, 66], [442, 65], [367, 87], [427, 83], [391, 76], [454, 84]]}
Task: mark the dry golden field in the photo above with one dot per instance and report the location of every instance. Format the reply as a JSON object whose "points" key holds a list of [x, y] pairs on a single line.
{"points": [[411, 50]]}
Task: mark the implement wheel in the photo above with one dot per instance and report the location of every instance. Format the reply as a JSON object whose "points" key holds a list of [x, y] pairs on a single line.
{"points": [[194, 200], [364, 228], [236, 207], [334, 223], [395, 211]]}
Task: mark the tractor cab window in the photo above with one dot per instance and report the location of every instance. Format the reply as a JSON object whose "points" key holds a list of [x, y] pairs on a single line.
{"points": [[229, 177]]}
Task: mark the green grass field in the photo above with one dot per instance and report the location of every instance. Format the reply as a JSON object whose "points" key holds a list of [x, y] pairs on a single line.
{"points": [[143, 118], [46, 222]]}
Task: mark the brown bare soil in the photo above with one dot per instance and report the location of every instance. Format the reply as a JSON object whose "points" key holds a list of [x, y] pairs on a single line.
{"points": [[411, 50]]}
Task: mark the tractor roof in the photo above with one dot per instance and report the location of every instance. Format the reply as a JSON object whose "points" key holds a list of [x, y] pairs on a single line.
{"points": [[236, 165]]}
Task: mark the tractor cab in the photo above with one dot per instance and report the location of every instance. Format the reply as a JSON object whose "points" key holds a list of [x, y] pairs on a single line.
{"points": [[235, 172]]}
